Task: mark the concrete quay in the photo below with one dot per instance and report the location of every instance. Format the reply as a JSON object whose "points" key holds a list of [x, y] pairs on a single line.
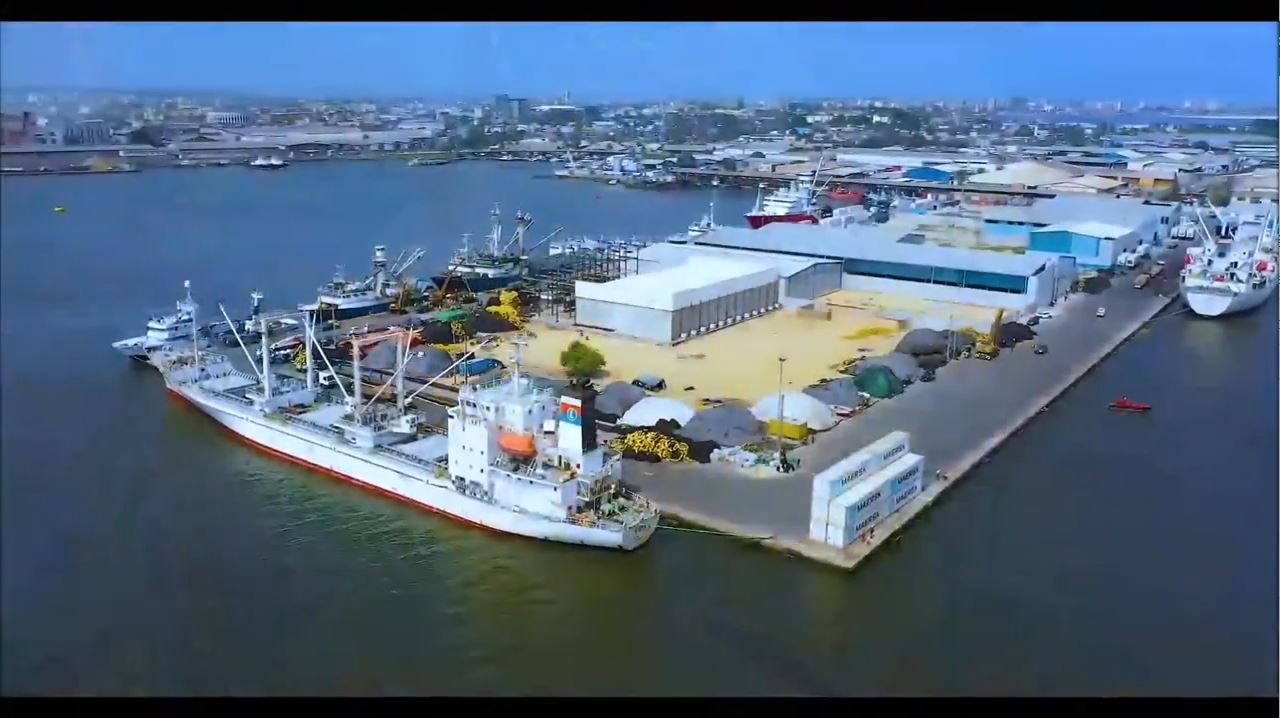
{"points": [[955, 422]]}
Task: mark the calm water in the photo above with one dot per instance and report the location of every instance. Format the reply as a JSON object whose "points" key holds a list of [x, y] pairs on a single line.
{"points": [[146, 552]]}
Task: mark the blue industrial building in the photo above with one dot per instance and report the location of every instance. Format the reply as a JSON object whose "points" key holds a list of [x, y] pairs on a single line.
{"points": [[929, 174], [1092, 244]]}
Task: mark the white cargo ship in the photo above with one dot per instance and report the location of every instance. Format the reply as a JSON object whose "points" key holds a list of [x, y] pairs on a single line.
{"points": [[516, 458], [1234, 270]]}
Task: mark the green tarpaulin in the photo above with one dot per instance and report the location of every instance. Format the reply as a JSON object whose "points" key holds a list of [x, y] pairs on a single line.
{"points": [[878, 381]]}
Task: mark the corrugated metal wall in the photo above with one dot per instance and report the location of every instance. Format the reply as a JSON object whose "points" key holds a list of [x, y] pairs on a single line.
{"points": [[815, 281]]}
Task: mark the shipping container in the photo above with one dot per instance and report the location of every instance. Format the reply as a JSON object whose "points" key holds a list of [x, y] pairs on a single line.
{"points": [[867, 502], [905, 496], [838, 478], [912, 471]]}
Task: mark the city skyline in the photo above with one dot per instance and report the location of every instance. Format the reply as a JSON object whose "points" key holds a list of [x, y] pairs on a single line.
{"points": [[904, 61]]}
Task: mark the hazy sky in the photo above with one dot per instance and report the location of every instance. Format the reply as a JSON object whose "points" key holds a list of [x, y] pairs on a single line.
{"points": [[1227, 62]]}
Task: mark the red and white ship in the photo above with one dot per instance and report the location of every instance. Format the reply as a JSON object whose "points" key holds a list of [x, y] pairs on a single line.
{"points": [[797, 203]]}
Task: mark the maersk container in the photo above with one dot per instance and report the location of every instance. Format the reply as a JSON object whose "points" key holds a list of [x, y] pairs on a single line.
{"points": [[913, 471], [904, 497], [818, 526], [867, 503], [856, 510], [831, 483]]}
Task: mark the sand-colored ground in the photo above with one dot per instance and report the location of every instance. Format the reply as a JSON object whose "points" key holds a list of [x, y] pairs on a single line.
{"points": [[899, 305], [739, 362]]}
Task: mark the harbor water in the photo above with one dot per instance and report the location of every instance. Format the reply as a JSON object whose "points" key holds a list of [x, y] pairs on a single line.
{"points": [[147, 552]]}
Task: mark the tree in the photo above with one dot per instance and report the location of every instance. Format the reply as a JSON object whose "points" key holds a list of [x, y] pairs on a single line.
{"points": [[1220, 194], [1072, 135], [581, 360], [147, 135]]}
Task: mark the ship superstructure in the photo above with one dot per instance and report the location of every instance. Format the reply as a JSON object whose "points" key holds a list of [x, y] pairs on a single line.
{"points": [[162, 329], [342, 298]]}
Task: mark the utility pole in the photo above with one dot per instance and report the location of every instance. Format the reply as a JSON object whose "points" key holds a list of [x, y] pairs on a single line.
{"points": [[781, 360]]}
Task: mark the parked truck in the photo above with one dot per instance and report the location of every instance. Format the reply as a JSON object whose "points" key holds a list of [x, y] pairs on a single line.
{"points": [[1141, 280]]}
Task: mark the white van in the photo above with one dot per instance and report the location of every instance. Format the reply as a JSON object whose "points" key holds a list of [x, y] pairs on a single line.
{"points": [[327, 379]]}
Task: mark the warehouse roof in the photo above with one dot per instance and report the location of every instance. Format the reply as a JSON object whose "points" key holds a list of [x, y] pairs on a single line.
{"points": [[682, 285], [868, 243], [665, 254], [1123, 211], [1028, 174], [1089, 229]]}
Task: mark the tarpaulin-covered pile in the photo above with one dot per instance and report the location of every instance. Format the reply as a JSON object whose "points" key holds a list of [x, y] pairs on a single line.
{"points": [[426, 362], [1096, 285], [1012, 332], [837, 392], [879, 382], [903, 366], [726, 425], [652, 409], [487, 322], [614, 400], [922, 341], [797, 408]]}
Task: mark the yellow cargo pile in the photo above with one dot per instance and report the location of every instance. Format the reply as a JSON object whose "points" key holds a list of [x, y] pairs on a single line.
{"points": [[511, 314], [868, 332], [651, 443]]}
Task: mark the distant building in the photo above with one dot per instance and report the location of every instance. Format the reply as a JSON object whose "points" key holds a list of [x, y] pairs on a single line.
{"points": [[227, 119], [88, 132], [517, 109], [501, 107], [17, 129]]}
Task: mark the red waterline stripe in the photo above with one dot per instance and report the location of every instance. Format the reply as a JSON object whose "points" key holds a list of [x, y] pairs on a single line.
{"points": [[331, 472]]}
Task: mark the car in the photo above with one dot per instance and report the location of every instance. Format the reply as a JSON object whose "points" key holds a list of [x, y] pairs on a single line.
{"points": [[1044, 314], [1102, 312], [1033, 320], [649, 382], [928, 375], [1160, 262], [1040, 349]]}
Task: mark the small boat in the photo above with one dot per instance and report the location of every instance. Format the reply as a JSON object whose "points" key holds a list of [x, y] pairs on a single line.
{"points": [[59, 208], [843, 193], [1102, 312], [1124, 403]]}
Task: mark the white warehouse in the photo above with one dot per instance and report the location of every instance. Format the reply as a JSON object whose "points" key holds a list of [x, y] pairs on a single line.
{"points": [[679, 301]]}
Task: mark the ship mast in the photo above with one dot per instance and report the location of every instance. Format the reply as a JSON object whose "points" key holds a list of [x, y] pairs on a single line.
{"points": [[495, 235]]}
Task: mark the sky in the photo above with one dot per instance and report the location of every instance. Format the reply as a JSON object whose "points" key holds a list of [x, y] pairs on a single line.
{"points": [[1156, 62]]}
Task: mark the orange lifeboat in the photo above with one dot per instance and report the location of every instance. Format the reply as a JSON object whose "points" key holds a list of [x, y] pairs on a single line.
{"points": [[519, 445]]}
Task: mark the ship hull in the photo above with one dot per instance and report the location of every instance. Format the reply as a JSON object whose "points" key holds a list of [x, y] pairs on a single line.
{"points": [[398, 479], [1209, 304], [329, 311], [476, 283], [756, 221]]}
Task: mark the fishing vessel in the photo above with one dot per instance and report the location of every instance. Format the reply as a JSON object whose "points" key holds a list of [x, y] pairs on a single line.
{"points": [[268, 163], [516, 459], [341, 298], [162, 329], [702, 226], [1234, 269], [795, 203], [496, 266]]}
